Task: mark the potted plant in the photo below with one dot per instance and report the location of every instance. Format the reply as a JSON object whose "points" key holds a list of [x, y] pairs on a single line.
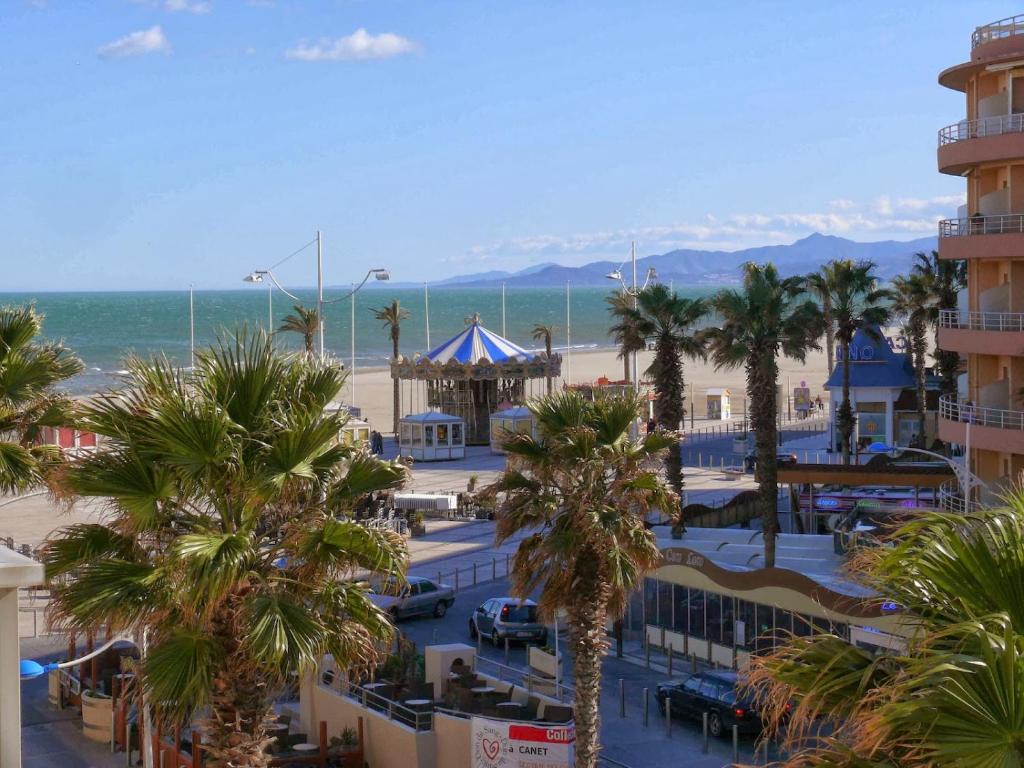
{"points": [[418, 527], [341, 747], [471, 483]]}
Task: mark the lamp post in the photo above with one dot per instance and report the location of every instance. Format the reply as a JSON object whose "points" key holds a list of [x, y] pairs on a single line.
{"points": [[378, 273], [191, 328]]}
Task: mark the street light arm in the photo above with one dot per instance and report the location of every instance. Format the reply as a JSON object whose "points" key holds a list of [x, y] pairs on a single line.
{"points": [[974, 480], [282, 288], [354, 290]]}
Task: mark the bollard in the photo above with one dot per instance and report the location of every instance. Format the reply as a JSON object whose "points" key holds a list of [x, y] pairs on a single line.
{"points": [[494, 568], [647, 653], [456, 579], [647, 706], [704, 727], [700, 459], [479, 644], [693, 662], [508, 555], [434, 642], [735, 743], [670, 655], [474, 574], [506, 651], [622, 697], [668, 717], [438, 577]]}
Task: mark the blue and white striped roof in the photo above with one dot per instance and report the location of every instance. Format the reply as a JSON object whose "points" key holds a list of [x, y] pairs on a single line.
{"points": [[476, 343]]}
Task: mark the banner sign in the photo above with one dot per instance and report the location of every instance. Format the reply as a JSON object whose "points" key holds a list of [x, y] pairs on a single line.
{"points": [[801, 398], [509, 744]]}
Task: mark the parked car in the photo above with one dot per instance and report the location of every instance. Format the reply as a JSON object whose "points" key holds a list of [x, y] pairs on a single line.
{"points": [[510, 617], [714, 692], [419, 597], [782, 459]]}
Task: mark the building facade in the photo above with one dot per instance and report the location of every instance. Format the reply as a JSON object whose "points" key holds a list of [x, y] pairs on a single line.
{"points": [[986, 148]]}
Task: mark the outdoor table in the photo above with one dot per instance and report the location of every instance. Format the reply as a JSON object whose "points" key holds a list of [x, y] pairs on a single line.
{"points": [[414, 703], [482, 689], [306, 747], [510, 709]]}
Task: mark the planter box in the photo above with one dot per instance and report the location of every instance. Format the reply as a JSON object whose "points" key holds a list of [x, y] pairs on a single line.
{"points": [[96, 720], [417, 530], [542, 663], [740, 445]]}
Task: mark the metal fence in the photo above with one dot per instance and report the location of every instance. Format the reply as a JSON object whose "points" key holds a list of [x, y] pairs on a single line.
{"points": [[476, 573], [981, 321], [523, 678], [1001, 224], [984, 126], [417, 719], [997, 30], [953, 409]]}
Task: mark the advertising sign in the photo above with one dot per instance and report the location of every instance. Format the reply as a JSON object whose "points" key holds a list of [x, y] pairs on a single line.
{"points": [[508, 744], [801, 398]]}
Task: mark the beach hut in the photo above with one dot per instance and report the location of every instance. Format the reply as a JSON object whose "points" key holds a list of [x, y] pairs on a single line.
{"points": [[719, 403], [508, 421], [355, 432], [472, 374], [432, 436]]}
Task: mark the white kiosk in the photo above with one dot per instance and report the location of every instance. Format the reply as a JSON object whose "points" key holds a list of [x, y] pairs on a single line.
{"points": [[518, 419], [431, 436]]}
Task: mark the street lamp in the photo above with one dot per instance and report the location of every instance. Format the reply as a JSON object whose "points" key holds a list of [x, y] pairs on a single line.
{"points": [[378, 273], [966, 479], [652, 276]]}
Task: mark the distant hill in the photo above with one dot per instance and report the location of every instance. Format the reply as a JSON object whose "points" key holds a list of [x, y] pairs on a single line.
{"points": [[693, 267]]}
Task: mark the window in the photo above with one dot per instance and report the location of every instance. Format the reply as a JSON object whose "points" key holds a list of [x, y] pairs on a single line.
{"points": [[692, 685], [680, 609], [456, 434], [427, 586], [664, 604], [635, 617], [417, 435], [802, 626], [697, 628], [650, 601], [714, 617], [709, 689], [728, 696], [428, 436], [442, 434], [764, 627], [728, 619], [745, 635], [405, 434]]}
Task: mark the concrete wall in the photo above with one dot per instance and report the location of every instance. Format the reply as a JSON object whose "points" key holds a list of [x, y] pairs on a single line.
{"points": [[452, 737]]}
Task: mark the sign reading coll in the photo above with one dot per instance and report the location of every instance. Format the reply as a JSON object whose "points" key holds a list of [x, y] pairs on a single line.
{"points": [[508, 744]]}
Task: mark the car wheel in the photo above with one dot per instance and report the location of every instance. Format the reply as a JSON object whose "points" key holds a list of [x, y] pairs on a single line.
{"points": [[472, 629], [715, 724], [440, 609], [494, 638]]}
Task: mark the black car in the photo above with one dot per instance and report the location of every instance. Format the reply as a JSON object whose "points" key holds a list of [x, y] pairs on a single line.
{"points": [[714, 692], [782, 459]]}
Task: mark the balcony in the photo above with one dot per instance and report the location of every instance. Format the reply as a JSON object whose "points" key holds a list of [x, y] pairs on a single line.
{"points": [[982, 333], [998, 30], [994, 429], [972, 142], [990, 237], [952, 500], [991, 44]]}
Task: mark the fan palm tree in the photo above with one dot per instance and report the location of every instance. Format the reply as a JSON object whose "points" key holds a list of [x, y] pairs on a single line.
{"points": [[767, 317], [305, 322], [392, 315], [857, 302], [945, 279], [228, 543], [544, 333], [624, 329], [670, 321], [912, 302], [29, 370], [580, 491], [820, 284], [955, 696]]}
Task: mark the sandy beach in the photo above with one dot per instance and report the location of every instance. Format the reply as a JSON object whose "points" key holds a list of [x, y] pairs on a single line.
{"points": [[373, 390]]}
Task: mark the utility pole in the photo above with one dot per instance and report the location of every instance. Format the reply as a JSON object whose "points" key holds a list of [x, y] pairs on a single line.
{"points": [[353, 373], [426, 309], [568, 336], [191, 328], [504, 333], [320, 289]]}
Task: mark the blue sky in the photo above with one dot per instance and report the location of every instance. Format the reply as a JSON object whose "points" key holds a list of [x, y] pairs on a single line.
{"points": [[150, 144]]}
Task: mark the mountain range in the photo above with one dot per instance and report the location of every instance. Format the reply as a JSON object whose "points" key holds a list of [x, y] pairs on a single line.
{"points": [[694, 267]]}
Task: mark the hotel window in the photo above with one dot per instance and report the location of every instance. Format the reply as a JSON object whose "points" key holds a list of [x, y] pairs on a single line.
{"points": [[635, 616], [697, 613], [745, 612], [803, 626], [714, 617], [764, 627], [664, 604], [651, 601], [728, 620], [680, 609]]}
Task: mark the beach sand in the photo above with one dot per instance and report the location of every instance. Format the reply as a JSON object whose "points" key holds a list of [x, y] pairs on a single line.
{"points": [[373, 389]]}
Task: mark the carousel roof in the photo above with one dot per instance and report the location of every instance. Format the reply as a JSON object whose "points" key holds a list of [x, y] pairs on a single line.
{"points": [[474, 344]]}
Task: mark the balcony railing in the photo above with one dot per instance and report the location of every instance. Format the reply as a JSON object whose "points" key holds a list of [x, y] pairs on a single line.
{"points": [[1003, 224], [981, 321], [953, 409], [1008, 27], [952, 500], [984, 126]]}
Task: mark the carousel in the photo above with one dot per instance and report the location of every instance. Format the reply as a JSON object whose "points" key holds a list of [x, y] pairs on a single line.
{"points": [[472, 375]]}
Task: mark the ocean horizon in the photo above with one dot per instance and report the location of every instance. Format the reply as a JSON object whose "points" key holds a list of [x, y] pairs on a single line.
{"points": [[103, 328]]}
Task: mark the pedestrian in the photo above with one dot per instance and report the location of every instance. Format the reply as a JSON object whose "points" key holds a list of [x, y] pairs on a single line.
{"points": [[651, 425]]}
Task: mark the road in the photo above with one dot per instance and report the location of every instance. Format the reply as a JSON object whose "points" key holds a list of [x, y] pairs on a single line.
{"points": [[625, 740]]}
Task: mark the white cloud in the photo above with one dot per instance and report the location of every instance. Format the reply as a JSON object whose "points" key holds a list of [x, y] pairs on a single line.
{"points": [[188, 6], [883, 218], [360, 45], [139, 43]]}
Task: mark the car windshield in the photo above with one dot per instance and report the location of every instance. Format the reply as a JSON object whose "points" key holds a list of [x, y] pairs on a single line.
{"points": [[519, 614]]}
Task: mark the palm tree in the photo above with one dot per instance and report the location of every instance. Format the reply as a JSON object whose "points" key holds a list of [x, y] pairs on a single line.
{"points": [[624, 330], [669, 320], [857, 302], [227, 543], [912, 301], [820, 284], [392, 316], [304, 321], [29, 370], [955, 695], [945, 279], [545, 333], [767, 317], [580, 491]]}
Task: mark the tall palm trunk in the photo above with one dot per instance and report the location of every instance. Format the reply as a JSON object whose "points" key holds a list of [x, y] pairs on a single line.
{"points": [[844, 418], [762, 383], [625, 365], [668, 407], [395, 404], [830, 331], [547, 349], [589, 643], [919, 350]]}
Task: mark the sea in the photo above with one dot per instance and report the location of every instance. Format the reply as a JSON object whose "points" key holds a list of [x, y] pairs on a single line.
{"points": [[102, 328]]}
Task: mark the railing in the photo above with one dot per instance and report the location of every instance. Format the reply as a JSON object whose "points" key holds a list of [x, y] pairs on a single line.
{"points": [[418, 720], [953, 409], [997, 30], [981, 321], [471, 575], [984, 126], [1002, 224], [952, 500], [532, 683]]}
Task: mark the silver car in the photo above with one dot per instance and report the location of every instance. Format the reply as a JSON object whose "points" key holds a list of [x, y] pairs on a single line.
{"points": [[420, 597], [508, 617]]}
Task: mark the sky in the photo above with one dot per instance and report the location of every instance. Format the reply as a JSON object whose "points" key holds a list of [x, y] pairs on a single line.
{"points": [[150, 144]]}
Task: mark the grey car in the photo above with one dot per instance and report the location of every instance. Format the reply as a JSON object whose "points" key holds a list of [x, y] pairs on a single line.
{"points": [[508, 617], [420, 597]]}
